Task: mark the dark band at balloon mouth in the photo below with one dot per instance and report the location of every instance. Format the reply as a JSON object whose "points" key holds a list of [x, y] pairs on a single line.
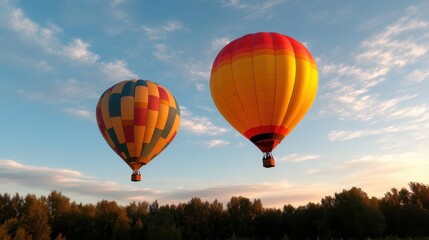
{"points": [[266, 142]]}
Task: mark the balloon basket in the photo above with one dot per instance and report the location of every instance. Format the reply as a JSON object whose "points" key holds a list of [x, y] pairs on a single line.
{"points": [[268, 160], [136, 176]]}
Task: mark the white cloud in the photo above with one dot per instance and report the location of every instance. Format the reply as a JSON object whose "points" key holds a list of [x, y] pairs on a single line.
{"points": [[198, 71], [66, 181], [253, 9], [33, 32], [369, 172], [417, 126], [372, 172], [161, 32], [418, 75], [200, 87], [162, 52], [215, 143], [116, 71], [78, 50], [371, 90], [299, 158], [116, 2], [80, 113], [69, 91], [217, 44], [199, 124], [414, 112], [351, 94], [338, 135], [44, 66]]}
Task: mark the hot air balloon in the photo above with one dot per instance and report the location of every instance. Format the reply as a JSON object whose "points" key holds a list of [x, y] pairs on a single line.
{"points": [[138, 119], [263, 84]]}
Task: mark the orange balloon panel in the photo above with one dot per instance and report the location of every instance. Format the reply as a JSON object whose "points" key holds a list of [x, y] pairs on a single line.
{"points": [[138, 119], [263, 84]]}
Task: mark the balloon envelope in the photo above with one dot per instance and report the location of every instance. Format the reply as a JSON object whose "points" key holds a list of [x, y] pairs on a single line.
{"points": [[138, 119], [263, 84]]}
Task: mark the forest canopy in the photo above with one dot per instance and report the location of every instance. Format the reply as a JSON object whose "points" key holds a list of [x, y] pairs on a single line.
{"points": [[350, 214]]}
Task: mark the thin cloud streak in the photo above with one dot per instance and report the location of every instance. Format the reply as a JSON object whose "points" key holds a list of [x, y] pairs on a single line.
{"points": [[199, 124], [418, 76], [215, 143], [69, 91], [299, 158], [161, 32], [82, 113], [253, 9], [65, 180], [373, 169], [71, 181], [418, 125]]}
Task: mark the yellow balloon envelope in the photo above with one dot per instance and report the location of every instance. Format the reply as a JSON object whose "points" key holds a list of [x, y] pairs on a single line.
{"points": [[138, 119], [263, 84]]}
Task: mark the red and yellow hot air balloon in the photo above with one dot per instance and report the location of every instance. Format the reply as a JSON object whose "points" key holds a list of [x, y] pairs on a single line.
{"points": [[138, 119], [263, 84]]}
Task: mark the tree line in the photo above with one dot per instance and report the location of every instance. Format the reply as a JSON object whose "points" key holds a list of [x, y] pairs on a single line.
{"points": [[350, 214]]}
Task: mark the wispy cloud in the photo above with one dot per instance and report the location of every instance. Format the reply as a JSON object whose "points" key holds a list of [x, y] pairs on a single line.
{"points": [[299, 158], [81, 113], [64, 91], [77, 50], [193, 70], [332, 14], [418, 75], [161, 32], [199, 124], [162, 52], [253, 9], [351, 93], [392, 48], [214, 143], [65, 180], [74, 182], [371, 172], [217, 44], [355, 92], [416, 127], [116, 71], [45, 37]]}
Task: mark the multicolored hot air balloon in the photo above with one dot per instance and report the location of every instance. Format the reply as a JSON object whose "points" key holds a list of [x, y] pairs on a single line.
{"points": [[138, 119], [263, 84]]}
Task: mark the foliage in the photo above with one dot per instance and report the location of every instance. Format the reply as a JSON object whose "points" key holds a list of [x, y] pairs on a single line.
{"points": [[350, 214]]}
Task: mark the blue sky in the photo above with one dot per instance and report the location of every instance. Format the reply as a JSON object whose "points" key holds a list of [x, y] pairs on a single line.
{"points": [[368, 127]]}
